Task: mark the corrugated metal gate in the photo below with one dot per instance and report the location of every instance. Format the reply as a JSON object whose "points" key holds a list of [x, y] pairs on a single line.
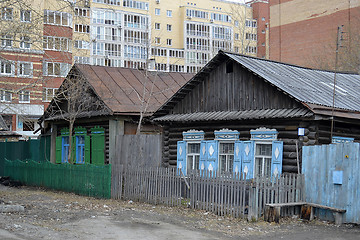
{"points": [[332, 178]]}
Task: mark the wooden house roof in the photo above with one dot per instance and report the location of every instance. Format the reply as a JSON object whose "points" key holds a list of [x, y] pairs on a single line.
{"points": [[311, 88]]}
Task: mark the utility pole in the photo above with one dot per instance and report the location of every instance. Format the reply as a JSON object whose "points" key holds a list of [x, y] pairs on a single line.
{"points": [[339, 40]]}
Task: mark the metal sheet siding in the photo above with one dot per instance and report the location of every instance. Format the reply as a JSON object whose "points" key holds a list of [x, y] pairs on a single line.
{"points": [[319, 164], [120, 88], [307, 85]]}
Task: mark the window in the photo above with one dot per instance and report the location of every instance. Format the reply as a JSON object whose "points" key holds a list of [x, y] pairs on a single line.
{"points": [[157, 40], [236, 49], [5, 96], [81, 44], [169, 42], [25, 42], [110, 2], [136, 4], [25, 15], [236, 23], [82, 28], [65, 149], [236, 36], [263, 19], [7, 68], [7, 41], [169, 13], [57, 43], [226, 157], [157, 11], [48, 94], [157, 26], [196, 14], [193, 156], [24, 96], [263, 156], [82, 60], [169, 27], [82, 12], [250, 49], [25, 69], [80, 149], [56, 69], [7, 14], [57, 18]]}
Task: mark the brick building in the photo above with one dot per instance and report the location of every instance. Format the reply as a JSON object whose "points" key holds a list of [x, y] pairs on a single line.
{"points": [[304, 32], [261, 13]]}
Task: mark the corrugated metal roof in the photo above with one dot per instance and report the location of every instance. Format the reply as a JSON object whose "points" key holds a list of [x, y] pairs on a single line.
{"points": [[237, 115], [306, 85], [120, 88]]}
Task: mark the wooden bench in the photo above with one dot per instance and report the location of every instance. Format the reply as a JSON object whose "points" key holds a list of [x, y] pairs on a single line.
{"points": [[272, 211], [338, 213]]}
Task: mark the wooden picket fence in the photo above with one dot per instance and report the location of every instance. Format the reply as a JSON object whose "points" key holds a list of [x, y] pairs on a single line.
{"points": [[223, 194]]}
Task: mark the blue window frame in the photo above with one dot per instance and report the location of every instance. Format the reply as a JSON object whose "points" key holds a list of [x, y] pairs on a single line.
{"points": [[64, 149], [80, 149]]}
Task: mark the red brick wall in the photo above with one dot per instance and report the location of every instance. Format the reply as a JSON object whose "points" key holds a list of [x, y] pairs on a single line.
{"points": [[309, 41], [261, 10]]}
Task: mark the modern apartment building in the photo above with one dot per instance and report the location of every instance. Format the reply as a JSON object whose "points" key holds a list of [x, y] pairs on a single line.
{"points": [[41, 39]]}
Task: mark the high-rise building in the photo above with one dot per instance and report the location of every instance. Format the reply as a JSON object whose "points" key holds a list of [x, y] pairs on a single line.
{"points": [[304, 32], [41, 39]]}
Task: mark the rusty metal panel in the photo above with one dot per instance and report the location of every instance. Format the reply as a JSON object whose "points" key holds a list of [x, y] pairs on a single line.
{"points": [[120, 88], [332, 178]]}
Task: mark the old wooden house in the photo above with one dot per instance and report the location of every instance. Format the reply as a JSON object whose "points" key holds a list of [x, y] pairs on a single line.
{"points": [[104, 102], [250, 114]]}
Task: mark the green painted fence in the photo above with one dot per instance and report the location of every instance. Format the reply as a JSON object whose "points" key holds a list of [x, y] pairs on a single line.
{"points": [[38, 150], [85, 179]]}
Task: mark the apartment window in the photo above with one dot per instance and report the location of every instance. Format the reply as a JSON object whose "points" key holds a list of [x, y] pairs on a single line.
{"points": [[236, 49], [24, 96], [135, 21], [157, 40], [82, 28], [169, 13], [226, 157], [263, 31], [5, 96], [56, 69], [25, 69], [56, 43], [82, 60], [81, 44], [157, 26], [236, 23], [57, 18], [6, 41], [263, 156], [250, 49], [82, 12], [7, 68], [157, 11], [110, 2], [263, 19], [236, 36], [7, 14], [169, 27], [25, 15], [193, 156], [136, 4], [25, 42], [48, 94], [169, 42]]}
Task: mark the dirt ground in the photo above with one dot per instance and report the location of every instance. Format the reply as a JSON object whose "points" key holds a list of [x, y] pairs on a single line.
{"points": [[58, 215]]}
